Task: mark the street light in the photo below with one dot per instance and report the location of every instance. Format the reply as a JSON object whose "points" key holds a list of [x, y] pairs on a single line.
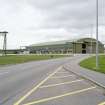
{"points": [[91, 51], [97, 44]]}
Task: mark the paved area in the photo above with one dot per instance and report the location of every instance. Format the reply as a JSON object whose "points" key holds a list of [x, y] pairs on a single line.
{"points": [[48, 83], [97, 77], [63, 88]]}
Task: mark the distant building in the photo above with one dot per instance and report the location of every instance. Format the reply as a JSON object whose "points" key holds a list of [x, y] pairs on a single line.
{"points": [[24, 52], [83, 45]]}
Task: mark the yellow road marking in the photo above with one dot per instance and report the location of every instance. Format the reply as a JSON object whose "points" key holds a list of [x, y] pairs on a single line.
{"points": [[62, 72], [60, 96], [52, 85], [35, 88], [103, 103], [62, 76]]}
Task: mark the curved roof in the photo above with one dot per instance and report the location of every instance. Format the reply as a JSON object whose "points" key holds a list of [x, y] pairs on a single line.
{"points": [[66, 41], [88, 40]]}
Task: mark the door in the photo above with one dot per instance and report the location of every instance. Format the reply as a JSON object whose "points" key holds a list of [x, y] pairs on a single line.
{"points": [[83, 51]]}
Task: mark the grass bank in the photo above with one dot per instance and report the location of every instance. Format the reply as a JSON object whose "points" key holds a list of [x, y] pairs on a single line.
{"points": [[15, 59], [90, 63]]}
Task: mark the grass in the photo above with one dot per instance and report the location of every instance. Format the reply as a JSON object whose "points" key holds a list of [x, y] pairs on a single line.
{"points": [[90, 63], [15, 59]]}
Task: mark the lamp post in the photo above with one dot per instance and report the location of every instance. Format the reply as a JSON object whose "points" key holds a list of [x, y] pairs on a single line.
{"points": [[91, 51], [97, 44]]}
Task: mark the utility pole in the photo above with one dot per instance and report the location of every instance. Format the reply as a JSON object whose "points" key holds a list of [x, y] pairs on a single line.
{"points": [[4, 34], [97, 44]]}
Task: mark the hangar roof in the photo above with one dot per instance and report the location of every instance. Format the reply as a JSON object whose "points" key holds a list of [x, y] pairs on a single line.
{"points": [[80, 40]]}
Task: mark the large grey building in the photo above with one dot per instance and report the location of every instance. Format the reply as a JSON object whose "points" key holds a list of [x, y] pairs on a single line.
{"points": [[83, 45]]}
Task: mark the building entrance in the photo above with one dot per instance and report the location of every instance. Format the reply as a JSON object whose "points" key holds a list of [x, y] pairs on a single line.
{"points": [[83, 51]]}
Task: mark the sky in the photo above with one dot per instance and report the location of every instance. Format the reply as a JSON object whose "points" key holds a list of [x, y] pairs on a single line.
{"points": [[36, 21]]}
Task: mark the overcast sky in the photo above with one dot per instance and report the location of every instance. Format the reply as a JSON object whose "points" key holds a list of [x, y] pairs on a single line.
{"points": [[35, 21]]}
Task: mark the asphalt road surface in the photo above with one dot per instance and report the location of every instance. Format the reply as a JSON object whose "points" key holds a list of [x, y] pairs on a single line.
{"points": [[47, 83]]}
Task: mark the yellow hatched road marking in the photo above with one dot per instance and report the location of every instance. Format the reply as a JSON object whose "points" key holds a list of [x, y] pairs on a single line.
{"points": [[52, 85], [61, 72], [62, 76], [103, 103], [60, 96], [35, 88]]}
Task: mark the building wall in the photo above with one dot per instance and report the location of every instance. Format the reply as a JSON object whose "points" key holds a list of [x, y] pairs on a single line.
{"points": [[89, 48], [71, 47], [63, 48]]}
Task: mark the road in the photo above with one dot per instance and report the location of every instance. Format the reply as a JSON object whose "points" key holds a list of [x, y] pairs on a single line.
{"points": [[47, 83]]}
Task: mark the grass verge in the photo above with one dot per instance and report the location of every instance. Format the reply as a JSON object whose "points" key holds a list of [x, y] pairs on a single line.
{"points": [[90, 63], [15, 59]]}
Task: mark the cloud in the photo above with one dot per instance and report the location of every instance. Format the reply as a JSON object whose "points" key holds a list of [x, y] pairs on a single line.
{"points": [[32, 21]]}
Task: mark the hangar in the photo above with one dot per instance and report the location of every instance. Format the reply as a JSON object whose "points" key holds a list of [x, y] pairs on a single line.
{"points": [[83, 45]]}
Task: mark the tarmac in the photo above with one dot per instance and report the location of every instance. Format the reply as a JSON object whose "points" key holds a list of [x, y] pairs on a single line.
{"points": [[51, 82]]}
